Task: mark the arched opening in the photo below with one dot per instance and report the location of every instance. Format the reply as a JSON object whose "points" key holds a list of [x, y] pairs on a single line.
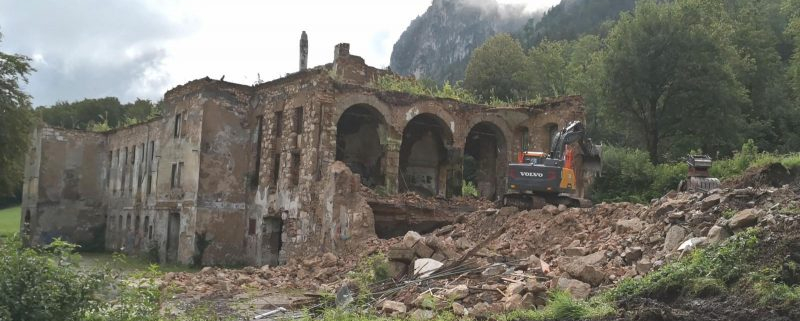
{"points": [[484, 159], [360, 137], [423, 155], [550, 130]]}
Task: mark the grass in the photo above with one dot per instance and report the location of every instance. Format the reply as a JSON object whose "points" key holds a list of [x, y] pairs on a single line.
{"points": [[9, 221], [561, 306], [126, 264]]}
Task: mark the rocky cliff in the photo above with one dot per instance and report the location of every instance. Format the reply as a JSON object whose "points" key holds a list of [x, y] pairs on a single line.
{"points": [[437, 45]]}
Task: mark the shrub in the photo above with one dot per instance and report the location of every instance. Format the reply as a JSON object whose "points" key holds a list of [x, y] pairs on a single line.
{"points": [[469, 189], [629, 176], [43, 284]]}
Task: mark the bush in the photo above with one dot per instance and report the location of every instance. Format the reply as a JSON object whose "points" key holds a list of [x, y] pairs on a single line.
{"points": [[44, 284], [628, 175], [469, 189]]}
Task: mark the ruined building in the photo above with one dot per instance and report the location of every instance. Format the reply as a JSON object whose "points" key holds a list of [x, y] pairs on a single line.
{"points": [[237, 174]]}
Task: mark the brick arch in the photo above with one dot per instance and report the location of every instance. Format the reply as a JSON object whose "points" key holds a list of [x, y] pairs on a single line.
{"points": [[447, 119], [425, 154], [497, 121], [344, 102]]}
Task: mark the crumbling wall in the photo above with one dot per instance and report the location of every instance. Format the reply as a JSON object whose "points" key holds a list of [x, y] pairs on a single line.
{"points": [[224, 176], [63, 189], [235, 174], [347, 219]]}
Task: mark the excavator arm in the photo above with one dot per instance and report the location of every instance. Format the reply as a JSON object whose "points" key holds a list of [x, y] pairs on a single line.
{"points": [[576, 132]]}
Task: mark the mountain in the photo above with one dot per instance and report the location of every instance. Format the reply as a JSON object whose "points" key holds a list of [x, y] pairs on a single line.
{"points": [[571, 19], [438, 44]]}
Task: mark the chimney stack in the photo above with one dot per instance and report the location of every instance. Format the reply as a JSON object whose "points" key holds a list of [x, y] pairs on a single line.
{"points": [[303, 51], [341, 50]]}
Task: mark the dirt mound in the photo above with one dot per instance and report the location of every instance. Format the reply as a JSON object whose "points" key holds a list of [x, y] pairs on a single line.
{"points": [[774, 175]]}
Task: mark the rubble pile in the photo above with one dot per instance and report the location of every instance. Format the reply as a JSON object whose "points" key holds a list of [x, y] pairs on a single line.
{"points": [[310, 274], [493, 260], [578, 250]]}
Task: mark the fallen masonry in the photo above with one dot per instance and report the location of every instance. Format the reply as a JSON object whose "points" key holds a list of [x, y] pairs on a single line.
{"points": [[493, 260]]}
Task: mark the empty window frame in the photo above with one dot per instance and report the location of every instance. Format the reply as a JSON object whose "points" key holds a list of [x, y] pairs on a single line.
{"points": [[174, 177], [260, 133], [277, 127], [295, 168], [177, 128], [298, 120], [276, 169]]}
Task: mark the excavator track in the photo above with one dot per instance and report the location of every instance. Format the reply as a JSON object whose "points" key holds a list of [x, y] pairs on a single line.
{"points": [[535, 202], [699, 184]]}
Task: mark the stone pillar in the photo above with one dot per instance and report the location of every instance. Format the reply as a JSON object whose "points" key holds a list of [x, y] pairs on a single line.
{"points": [[391, 164], [303, 51], [455, 172]]}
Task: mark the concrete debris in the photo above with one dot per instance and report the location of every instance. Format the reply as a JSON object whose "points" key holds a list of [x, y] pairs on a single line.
{"points": [[717, 234], [675, 235], [425, 267], [392, 307], [691, 243], [744, 219], [578, 250], [577, 289]]}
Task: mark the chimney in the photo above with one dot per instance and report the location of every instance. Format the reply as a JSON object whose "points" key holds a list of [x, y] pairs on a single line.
{"points": [[341, 50], [303, 51]]}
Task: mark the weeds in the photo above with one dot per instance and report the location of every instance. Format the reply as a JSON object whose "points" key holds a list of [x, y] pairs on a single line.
{"points": [[561, 306], [704, 272], [728, 214], [468, 189]]}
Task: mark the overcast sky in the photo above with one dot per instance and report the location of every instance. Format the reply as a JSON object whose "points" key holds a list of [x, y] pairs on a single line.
{"points": [[129, 49]]}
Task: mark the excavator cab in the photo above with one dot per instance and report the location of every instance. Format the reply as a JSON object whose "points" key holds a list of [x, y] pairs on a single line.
{"points": [[527, 157]]}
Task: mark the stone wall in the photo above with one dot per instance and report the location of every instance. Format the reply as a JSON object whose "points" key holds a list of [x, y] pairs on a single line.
{"points": [[63, 190]]}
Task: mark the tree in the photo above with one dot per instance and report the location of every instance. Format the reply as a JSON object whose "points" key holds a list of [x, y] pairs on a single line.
{"points": [[669, 77], [497, 69], [547, 68], [97, 113], [15, 120]]}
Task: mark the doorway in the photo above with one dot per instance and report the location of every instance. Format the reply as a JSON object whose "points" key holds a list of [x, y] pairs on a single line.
{"points": [[271, 229], [173, 236]]}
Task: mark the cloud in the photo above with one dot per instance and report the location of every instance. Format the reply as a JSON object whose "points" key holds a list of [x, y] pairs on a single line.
{"points": [[89, 48], [141, 48]]}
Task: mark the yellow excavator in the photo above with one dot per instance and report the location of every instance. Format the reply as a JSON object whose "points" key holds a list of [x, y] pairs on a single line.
{"points": [[538, 178]]}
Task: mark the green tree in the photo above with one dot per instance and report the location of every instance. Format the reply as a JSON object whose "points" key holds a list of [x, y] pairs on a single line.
{"points": [[669, 77], [99, 113], [497, 69], [758, 37], [548, 74], [15, 120]]}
